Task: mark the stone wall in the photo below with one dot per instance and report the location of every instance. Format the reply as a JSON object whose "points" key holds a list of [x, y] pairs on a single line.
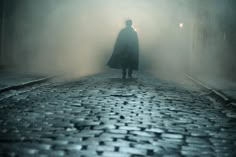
{"points": [[214, 35]]}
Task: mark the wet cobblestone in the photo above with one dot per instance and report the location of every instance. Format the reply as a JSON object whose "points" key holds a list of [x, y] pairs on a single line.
{"points": [[104, 116]]}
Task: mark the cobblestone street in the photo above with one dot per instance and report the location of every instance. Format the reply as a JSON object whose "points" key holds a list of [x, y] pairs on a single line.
{"points": [[102, 115]]}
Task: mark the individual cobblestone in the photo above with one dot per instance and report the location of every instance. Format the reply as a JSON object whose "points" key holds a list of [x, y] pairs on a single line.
{"points": [[105, 116]]}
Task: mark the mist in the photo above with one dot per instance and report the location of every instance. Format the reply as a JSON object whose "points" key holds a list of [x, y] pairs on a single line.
{"points": [[78, 36]]}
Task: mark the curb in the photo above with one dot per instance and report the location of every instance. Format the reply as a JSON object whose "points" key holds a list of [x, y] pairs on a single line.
{"points": [[214, 92], [25, 84]]}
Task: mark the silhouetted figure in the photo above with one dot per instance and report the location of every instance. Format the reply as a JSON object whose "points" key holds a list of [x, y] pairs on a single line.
{"points": [[126, 51]]}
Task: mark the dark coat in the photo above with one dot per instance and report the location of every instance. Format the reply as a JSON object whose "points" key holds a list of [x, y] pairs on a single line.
{"points": [[126, 50]]}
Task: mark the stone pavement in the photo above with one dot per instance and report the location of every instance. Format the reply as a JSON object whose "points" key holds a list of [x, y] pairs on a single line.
{"points": [[225, 86], [104, 116]]}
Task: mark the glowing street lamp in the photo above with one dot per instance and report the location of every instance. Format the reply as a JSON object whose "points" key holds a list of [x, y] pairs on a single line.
{"points": [[181, 25], [134, 28]]}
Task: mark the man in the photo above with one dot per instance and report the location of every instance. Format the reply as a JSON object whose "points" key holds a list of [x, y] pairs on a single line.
{"points": [[125, 55]]}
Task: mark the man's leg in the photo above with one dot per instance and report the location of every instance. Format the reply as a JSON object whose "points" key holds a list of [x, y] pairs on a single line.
{"points": [[123, 73], [130, 72]]}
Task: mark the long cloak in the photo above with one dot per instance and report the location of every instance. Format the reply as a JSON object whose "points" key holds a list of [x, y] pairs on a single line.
{"points": [[126, 50]]}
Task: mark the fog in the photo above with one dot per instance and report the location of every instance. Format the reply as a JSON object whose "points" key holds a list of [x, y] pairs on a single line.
{"points": [[79, 35]]}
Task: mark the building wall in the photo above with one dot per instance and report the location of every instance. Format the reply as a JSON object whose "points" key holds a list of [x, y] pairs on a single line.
{"points": [[17, 26], [214, 35], [7, 31]]}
